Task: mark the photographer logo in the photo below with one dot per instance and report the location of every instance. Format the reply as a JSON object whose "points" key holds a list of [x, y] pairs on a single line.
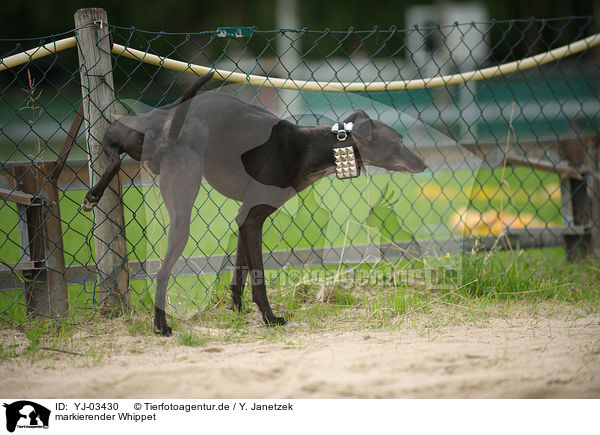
{"points": [[25, 414]]}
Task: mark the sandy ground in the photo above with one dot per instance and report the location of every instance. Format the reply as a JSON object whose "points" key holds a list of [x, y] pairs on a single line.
{"points": [[525, 357]]}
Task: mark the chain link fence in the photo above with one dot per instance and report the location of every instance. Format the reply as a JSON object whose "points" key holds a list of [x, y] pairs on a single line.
{"points": [[513, 159]]}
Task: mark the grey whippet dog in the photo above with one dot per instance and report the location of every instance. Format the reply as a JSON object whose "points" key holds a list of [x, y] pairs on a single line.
{"points": [[247, 154]]}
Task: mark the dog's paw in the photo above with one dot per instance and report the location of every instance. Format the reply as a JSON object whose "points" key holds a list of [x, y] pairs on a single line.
{"points": [[88, 205], [165, 330], [275, 321]]}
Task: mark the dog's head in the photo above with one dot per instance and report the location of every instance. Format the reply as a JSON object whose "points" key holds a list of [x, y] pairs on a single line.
{"points": [[382, 146]]}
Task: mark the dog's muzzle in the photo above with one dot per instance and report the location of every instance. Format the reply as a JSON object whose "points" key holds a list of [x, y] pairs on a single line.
{"points": [[346, 165]]}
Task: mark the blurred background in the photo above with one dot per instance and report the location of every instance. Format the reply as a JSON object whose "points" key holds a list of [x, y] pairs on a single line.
{"points": [[41, 17]]}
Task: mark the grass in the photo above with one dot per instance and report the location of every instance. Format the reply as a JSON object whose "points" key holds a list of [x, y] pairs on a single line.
{"points": [[536, 274], [191, 338], [137, 324], [33, 335], [382, 296], [7, 351]]}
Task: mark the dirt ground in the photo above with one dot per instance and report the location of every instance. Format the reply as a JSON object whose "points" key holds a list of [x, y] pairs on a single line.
{"points": [[520, 356]]}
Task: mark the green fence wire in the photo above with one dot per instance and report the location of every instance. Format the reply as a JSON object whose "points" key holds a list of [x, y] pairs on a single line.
{"points": [[513, 160]]}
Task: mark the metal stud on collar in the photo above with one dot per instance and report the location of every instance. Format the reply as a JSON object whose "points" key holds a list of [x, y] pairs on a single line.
{"points": [[346, 165]]}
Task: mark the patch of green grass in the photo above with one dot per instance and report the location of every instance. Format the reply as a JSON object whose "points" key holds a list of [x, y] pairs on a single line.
{"points": [[346, 298], [139, 324], [532, 275], [223, 317], [94, 354], [8, 351], [274, 334], [34, 334], [191, 338], [388, 304]]}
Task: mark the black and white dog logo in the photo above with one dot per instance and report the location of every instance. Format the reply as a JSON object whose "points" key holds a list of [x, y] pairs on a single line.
{"points": [[26, 414]]}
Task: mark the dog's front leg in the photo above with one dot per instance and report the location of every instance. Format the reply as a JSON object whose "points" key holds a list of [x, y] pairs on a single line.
{"points": [[240, 273], [251, 239]]}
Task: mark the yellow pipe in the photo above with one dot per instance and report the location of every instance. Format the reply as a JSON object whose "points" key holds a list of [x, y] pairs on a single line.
{"points": [[273, 82], [36, 53], [452, 79]]}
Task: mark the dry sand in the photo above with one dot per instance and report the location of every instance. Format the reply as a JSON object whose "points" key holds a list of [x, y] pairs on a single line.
{"points": [[528, 356]]}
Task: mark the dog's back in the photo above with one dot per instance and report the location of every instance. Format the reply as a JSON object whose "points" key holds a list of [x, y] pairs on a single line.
{"points": [[221, 128]]}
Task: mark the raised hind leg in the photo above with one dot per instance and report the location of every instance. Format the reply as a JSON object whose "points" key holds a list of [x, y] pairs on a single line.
{"points": [[114, 163]]}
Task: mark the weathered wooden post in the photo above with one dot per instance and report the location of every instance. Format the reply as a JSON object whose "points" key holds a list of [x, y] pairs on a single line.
{"points": [[583, 195], [593, 180], [98, 96]]}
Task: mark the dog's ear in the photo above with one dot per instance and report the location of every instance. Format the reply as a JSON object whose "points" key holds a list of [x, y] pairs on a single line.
{"points": [[362, 129], [363, 126], [357, 116]]}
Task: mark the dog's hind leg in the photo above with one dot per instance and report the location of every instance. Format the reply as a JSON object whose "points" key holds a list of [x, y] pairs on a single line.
{"points": [[180, 179], [251, 239], [95, 193]]}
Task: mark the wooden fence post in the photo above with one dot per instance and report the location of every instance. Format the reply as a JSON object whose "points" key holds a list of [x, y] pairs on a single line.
{"points": [[593, 178], [98, 96], [583, 195]]}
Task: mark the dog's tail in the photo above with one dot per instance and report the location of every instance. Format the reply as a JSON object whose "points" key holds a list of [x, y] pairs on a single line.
{"points": [[191, 91], [183, 105]]}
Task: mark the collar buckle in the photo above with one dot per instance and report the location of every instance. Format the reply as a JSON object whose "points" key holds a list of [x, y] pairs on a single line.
{"points": [[342, 130]]}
